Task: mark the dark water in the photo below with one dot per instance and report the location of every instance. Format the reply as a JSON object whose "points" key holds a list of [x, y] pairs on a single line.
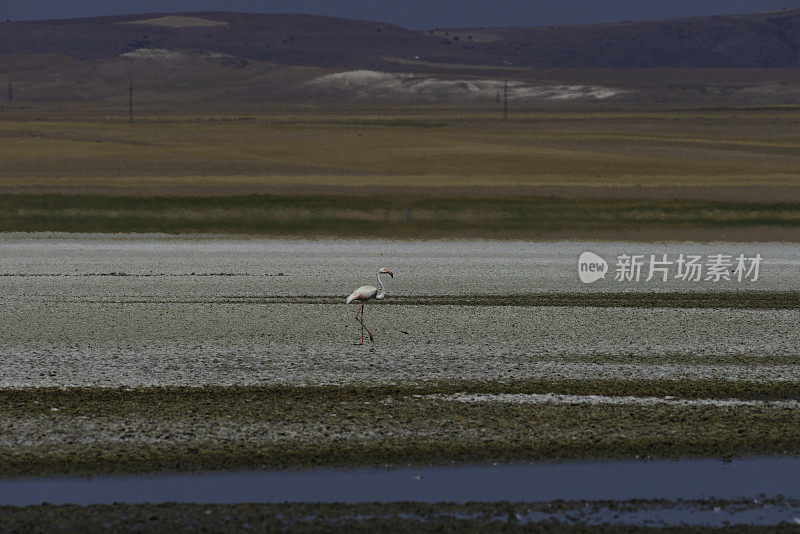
{"points": [[689, 479]]}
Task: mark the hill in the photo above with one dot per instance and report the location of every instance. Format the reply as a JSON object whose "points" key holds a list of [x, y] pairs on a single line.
{"points": [[764, 40], [233, 57]]}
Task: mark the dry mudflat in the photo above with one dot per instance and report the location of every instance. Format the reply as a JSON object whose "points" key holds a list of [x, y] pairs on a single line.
{"points": [[142, 353]]}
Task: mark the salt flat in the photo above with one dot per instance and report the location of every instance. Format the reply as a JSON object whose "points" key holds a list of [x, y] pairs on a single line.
{"points": [[116, 310]]}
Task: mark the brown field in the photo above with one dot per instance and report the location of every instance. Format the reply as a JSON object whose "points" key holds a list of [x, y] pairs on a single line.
{"points": [[735, 156]]}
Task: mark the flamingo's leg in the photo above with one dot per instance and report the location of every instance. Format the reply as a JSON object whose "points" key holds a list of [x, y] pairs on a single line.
{"points": [[361, 320], [365, 326]]}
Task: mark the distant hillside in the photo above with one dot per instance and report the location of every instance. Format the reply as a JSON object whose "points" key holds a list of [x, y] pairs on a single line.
{"points": [[756, 41], [767, 40], [286, 39]]}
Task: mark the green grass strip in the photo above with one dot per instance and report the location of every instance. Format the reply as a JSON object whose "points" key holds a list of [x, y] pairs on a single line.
{"points": [[388, 215]]}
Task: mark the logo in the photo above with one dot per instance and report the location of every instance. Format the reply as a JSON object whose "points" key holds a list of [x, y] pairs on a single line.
{"points": [[591, 267], [715, 268]]}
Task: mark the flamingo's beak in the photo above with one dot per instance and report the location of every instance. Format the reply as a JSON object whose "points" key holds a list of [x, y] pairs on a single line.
{"points": [[390, 273]]}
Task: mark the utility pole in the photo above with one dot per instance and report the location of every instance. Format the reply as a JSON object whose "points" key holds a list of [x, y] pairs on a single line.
{"points": [[505, 99], [130, 102], [10, 92]]}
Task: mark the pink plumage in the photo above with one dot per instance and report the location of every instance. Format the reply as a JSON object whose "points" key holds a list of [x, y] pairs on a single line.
{"points": [[363, 293], [367, 293]]}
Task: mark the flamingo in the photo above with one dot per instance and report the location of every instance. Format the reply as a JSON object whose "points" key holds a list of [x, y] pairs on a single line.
{"points": [[365, 293]]}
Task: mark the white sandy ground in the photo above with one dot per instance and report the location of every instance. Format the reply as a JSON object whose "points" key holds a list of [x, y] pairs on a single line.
{"points": [[551, 398], [377, 84], [188, 313], [333, 266], [197, 365]]}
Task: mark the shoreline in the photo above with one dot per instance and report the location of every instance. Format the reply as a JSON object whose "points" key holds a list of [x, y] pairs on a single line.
{"points": [[178, 429]]}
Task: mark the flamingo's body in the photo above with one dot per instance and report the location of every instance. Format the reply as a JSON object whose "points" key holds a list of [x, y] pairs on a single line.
{"points": [[365, 294]]}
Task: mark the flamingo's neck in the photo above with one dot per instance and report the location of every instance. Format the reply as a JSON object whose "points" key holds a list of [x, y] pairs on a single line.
{"points": [[383, 289]]}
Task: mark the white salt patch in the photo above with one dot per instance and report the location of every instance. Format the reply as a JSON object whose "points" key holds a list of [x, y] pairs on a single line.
{"points": [[368, 83], [551, 398]]}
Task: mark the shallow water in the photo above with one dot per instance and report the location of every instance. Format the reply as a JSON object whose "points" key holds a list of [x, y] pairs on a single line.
{"points": [[690, 479]]}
